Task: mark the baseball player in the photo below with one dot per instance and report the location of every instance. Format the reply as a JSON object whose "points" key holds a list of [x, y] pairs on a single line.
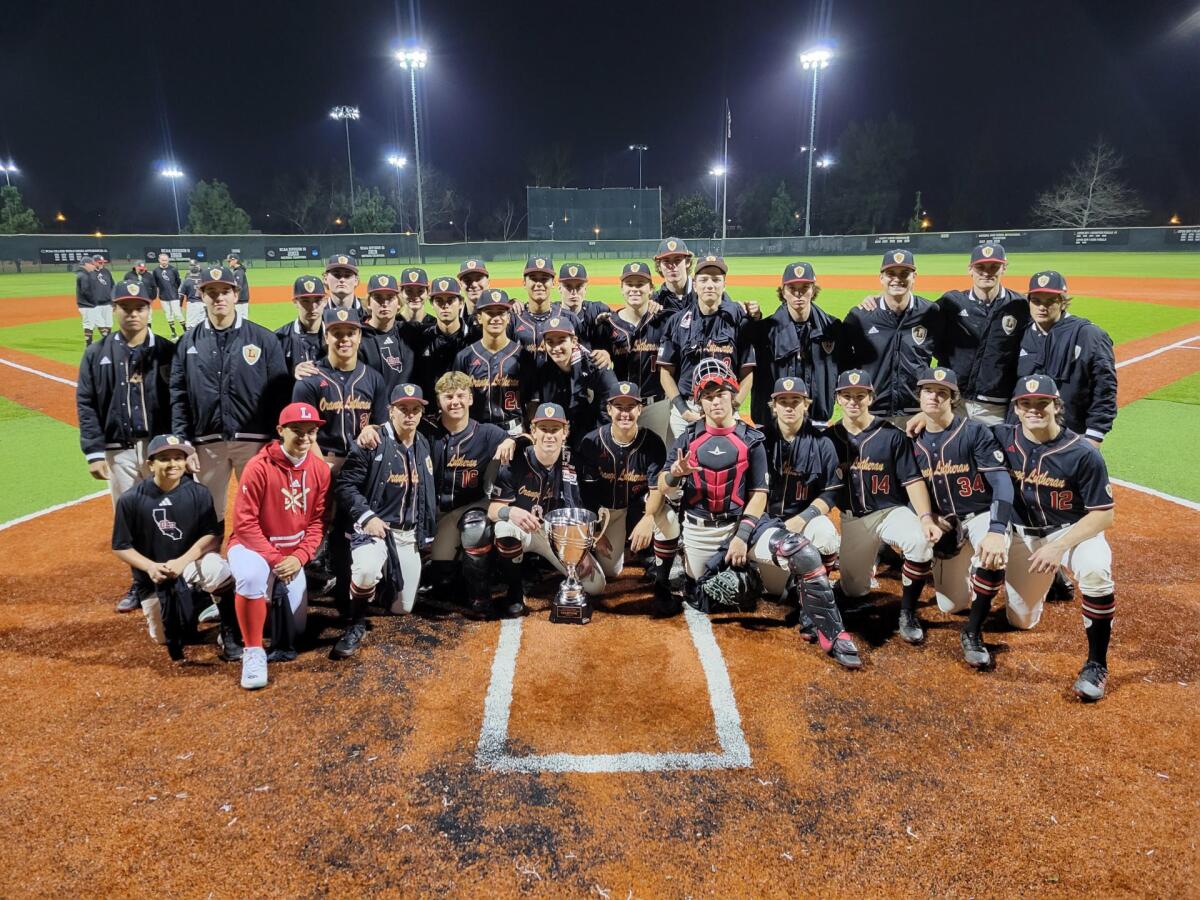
{"points": [[884, 500], [637, 335], [141, 275], [166, 530], [97, 317], [189, 290], [104, 277], [799, 341], [385, 342], [529, 322], [538, 480], [972, 497], [569, 378], [234, 261], [227, 380], [466, 456], [895, 340], [494, 364], [719, 473], [805, 481], [711, 327], [167, 282], [414, 286], [388, 495], [303, 340], [122, 399], [474, 277], [436, 344], [278, 522], [673, 261], [341, 281], [618, 466], [1064, 505], [592, 315]]}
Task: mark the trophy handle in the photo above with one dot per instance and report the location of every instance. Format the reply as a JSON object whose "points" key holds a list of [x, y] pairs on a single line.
{"points": [[601, 524]]}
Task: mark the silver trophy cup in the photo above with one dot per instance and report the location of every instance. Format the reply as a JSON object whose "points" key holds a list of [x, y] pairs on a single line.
{"points": [[572, 532]]}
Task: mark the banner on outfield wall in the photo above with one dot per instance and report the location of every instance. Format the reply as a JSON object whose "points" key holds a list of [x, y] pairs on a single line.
{"points": [[70, 254], [1107, 236], [297, 251], [892, 240], [177, 254], [363, 252], [1183, 236], [1007, 238]]}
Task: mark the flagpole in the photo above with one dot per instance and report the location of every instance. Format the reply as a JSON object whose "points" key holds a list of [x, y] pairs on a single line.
{"points": [[725, 177]]}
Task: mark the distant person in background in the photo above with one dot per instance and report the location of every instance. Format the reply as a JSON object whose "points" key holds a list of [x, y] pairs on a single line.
{"points": [[243, 286], [141, 275], [167, 280], [85, 301], [189, 291], [102, 286]]}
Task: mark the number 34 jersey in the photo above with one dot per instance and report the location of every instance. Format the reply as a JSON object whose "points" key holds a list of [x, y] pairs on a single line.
{"points": [[954, 461], [1058, 482], [876, 464]]}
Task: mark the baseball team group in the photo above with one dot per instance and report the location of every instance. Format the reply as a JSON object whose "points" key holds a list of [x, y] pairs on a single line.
{"points": [[384, 453]]}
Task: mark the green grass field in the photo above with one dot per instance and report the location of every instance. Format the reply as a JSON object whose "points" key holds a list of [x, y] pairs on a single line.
{"points": [[41, 461]]}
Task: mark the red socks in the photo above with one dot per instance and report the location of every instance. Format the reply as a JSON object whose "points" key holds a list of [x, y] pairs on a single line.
{"points": [[251, 616]]}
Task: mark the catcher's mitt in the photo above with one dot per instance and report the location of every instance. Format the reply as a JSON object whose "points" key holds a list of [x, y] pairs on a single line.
{"points": [[953, 537]]}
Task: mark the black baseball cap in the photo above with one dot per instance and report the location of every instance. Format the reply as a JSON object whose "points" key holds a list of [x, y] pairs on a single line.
{"points": [[898, 259], [1048, 282], [473, 267], [940, 376], [163, 442], [561, 325], [341, 261], [790, 386], [988, 252], [549, 412], [445, 286], [339, 315], [572, 272], [626, 389], [539, 264], [217, 275], [307, 286], [799, 273], [672, 246], [854, 378], [711, 261], [414, 276], [129, 290], [1035, 386], [402, 392], [98, 258], [493, 297], [635, 270], [382, 284]]}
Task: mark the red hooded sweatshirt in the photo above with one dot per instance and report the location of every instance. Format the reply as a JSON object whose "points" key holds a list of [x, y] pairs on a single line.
{"points": [[280, 507]]}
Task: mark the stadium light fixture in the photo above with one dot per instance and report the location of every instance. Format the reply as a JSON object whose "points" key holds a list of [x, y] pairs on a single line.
{"points": [[59, 217], [1174, 220], [412, 59], [9, 169], [815, 58], [825, 162], [398, 162], [718, 172], [640, 148], [174, 173], [345, 115]]}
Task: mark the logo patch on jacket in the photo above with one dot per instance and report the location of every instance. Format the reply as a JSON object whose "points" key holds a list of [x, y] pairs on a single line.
{"points": [[251, 353]]}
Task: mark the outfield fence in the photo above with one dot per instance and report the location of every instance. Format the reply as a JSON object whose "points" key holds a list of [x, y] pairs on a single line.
{"points": [[59, 252]]}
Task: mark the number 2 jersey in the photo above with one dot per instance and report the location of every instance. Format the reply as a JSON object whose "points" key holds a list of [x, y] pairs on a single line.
{"points": [[876, 465], [1058, 482]]}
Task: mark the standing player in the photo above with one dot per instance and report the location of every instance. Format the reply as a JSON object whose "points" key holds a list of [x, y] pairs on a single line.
{"points": [[189, 291], [569, 378], [1064, 506], [243, 285], [466, 455], [528, 324], [166, 530], [387, 494], [414, 285], [800, 341], [85, 301], [385, 347], [473, 275], [719, 473], [637, 336], [494, 365], [303, 340], [618, 467], [972, 495], [884, 500], [894, 341], [167, 280], [710, 328], [436, 344], [341, 281], [592, 316], [278, 523], [674, 262], [539, 480], [149, 287], [123, 398], [227, 380]]}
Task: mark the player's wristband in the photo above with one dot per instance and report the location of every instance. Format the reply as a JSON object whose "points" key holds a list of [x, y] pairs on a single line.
{"points": [[503, 513], [927, 516], [679, 404], [746, 528], [1001, 515], [671, 479], [809, 514]]}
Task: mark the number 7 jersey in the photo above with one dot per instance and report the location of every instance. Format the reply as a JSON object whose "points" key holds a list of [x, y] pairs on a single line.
{"points": [[876, 464]]}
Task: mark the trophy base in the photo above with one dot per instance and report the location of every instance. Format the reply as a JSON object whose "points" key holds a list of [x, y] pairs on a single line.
{"points": [[571, 610]]}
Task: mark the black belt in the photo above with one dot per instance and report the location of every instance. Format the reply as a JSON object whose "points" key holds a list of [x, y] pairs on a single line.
{"points": [[709, 521], [1037, 530]]}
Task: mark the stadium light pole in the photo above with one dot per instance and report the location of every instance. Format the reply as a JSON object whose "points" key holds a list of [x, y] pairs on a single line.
{"points": [[640, 148], [174, 173], [816, 59], [345, 114], [719, 173], [412, 59], [398, 162], [10, 169]]}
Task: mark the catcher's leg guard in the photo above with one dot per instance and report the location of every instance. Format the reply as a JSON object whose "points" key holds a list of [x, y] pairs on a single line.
{"points": [[797, 555], [476, 536]]}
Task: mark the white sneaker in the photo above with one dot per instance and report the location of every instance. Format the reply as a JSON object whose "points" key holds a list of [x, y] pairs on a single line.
{"points": [[254, 668], [152, 610], [210, 614]]}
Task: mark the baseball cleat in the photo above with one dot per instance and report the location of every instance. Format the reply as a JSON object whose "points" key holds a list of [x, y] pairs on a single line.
{"points": [[665, 604], [974, 652], [842, 649], [210, 614], [479, 609], [1089, 686], [130, 601], [348, 644], [254, 668], [229, 644], [910, 627], [1061, 589]]}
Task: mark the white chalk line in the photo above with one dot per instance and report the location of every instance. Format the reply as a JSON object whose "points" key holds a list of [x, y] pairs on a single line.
{"points": [[1141, 488], [49, 509], [38, 372], [492, 750], [1178, 345]]}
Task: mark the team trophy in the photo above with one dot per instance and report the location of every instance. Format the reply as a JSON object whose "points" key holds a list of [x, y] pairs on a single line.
{"points": [[572, 532]]}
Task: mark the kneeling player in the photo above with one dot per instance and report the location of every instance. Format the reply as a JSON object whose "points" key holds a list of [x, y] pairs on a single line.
{"points": [[881, 480], [278, 522], [166, 529], [720, 468], [619, 465], [972, 494], [1064, 506], [387, 493], [537, 481]]}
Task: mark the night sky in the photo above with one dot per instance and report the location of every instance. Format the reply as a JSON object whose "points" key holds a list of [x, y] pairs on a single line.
{"points": [[94, 100]]}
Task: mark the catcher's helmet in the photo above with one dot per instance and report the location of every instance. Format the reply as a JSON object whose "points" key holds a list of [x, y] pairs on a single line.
{"points": [[712, 371]]}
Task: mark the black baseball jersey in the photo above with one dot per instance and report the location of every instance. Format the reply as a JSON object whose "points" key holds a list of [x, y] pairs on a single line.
{"points": [[435, 350], [402, 477], [876, 464], [595, 333], [104, 279], [529, 328], [956, 463], [495, 381], [619, 476], [1058, 482], [635, 351], [166, 279], [803, 469], [347, 401], [299, 345], [1078, 355], [146, 279], [981, 341], [581, 390], [672, 302], [388, 353], [810, 350], [732, 465], [692, 336], [526, 484], [163, 525], [461, 460], [893, 349], [243, 284]]}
